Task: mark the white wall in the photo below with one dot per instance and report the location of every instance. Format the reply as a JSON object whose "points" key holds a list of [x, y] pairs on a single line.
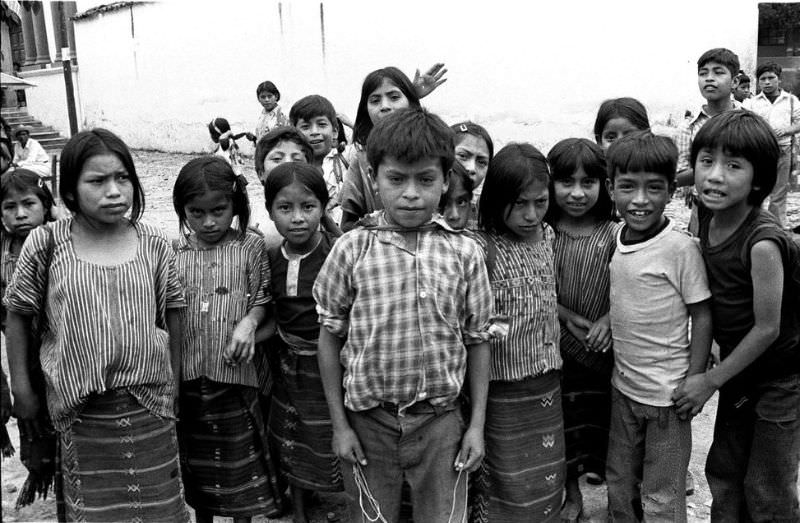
{"points": [[527, 70], [47, 101]]}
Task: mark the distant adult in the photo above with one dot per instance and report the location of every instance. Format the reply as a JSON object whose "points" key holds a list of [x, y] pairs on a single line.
{"points": [[29, 153], [782, 110]]}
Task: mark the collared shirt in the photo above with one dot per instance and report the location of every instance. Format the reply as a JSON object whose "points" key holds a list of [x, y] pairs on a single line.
{"points": [[32, 154], [269, 120], [523, 283], [408, 303], [105, 326], [222, 285], [687, 130], [780, 114]]}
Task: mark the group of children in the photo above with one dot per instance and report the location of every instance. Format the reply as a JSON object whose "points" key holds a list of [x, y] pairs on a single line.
{"points": [[490, 327]]}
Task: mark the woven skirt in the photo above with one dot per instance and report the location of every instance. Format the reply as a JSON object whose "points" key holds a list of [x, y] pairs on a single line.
{"points": [[118, 462], [227, 467], [524, 469], [300, 423]]}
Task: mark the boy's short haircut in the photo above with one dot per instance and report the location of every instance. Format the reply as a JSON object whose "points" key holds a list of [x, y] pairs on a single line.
{"points": [[769, 67], [460, 172], [284, 133], [310, 107], [268, 87], [410, 135], [745, 134], [743, 78], [721, 56], [643, 152]]}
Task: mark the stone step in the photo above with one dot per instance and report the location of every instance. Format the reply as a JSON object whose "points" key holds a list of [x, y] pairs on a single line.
{"points": [[10, 113]]}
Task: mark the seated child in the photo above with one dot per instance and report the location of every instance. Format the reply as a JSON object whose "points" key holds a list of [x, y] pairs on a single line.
{"points": [[315, 117], [405, 306], [658, 284], [456, 204], [271, 114], [754, 274]]}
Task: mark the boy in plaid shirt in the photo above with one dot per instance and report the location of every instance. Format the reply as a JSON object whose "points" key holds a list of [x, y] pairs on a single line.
{"points": [[405, 306]]}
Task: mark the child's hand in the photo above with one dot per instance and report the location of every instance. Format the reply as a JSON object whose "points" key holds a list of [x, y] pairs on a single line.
{"points": [[692, 394], [250, 136], [598, 338], [242, 345], [26, 407], [472, 450], [579, 327], [434, 77], [347, 447]]}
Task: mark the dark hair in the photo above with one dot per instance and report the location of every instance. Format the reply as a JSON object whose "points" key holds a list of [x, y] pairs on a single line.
{"points": [[476, 130], [512, 169], [409, 135], [310, 107], [210, 173], [363, 124], [742, 77], [270, 88], [721, 56], [745, 134], [565, 158], [643, 151], [217, 127], [85, 145], [286, 174], [460, 172], [769, 67], [23, 181], [270, 140], [629, 108]]}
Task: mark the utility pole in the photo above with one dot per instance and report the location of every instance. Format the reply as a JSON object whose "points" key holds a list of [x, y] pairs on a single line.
{"points": [[70, 90]]}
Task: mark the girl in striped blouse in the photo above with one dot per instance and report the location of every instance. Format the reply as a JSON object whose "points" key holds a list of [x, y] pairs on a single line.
{"points": [[105, 291], [226, 465], [524, 466], [581, 215]]}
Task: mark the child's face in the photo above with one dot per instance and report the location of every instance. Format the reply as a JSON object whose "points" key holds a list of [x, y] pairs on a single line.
{"points": [[297, 212], [715, 81], [576, 195], [22, 212], [769, 83], [104, 191], [320, 133], [473, 153], [742, 92], [525, 215], [615, 129], [410, 191], [458, 206], [267, 100], [385, 99], [209, 215], [285, 151], [723, 181], [640, 198]]}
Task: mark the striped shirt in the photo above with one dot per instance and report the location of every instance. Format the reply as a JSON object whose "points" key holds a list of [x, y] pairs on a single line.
{"points": [[105, 326], [408, 303], [222, 285], [582, 280], [524, 288]]}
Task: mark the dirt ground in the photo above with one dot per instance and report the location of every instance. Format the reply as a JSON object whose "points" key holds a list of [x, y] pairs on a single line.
{"points": [[158, 171]]}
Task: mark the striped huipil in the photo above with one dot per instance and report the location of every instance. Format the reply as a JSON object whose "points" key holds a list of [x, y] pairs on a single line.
{"points": [[105, 326]]}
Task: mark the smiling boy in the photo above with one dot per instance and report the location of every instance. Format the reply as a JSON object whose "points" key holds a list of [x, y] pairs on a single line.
{"points": [[405, 303], [658, 283]]}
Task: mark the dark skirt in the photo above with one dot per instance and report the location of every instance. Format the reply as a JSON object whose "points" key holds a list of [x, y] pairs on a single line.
{"points": [[118, 462], [300, 423], [586, 396], [524, 470], [227, 467]]}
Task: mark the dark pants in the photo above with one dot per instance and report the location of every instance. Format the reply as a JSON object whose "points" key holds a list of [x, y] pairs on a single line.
{"points": [[752, 464]]}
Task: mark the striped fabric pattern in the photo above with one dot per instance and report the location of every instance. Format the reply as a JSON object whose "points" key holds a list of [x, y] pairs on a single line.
{"points": [[222, 285], [524, 287], [407, 302], [582, 279], [105, 326]]}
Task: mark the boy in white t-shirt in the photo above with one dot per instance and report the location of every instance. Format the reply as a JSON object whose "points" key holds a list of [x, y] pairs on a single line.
{"points": [[658, 282]]}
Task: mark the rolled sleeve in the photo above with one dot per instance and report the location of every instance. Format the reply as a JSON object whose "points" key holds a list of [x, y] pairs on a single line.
{"points": [[333, 290], [478, 319]]}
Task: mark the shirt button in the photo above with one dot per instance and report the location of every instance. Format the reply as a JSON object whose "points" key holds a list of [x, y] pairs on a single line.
{"points": [[423, 295]]}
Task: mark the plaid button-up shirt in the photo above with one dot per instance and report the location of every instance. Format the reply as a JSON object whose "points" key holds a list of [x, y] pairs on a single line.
{"points": [[687, 130], [408, 302]]}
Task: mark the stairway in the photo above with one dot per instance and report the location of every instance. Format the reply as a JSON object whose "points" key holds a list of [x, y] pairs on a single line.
{"points": [[49, 138]]}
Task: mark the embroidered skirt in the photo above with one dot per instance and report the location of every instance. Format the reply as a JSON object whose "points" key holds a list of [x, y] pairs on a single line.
{"points": [[524, 469], [227, 467], [118, 462], [300, 424]]}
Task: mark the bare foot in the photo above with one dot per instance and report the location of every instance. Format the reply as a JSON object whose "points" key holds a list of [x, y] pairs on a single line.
{"points": [[573, 503]]}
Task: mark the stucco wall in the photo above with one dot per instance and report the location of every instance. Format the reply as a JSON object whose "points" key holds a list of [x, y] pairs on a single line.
{"points": [[528, 71], [47, 101]]}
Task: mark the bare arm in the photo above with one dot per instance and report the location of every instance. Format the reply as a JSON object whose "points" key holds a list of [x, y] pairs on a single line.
{"points": [[18, 326], [472, 444], [700, 346], [175, 329], [242, 345]]}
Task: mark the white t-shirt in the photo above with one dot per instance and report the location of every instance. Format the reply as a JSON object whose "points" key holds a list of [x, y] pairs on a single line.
{"points": [[651, 284]]}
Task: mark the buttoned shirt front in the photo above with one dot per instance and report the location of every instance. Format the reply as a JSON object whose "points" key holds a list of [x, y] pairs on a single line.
{"points": [[780, 114]]}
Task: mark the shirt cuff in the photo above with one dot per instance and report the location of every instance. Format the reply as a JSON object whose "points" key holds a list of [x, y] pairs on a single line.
{"points": [[332, 323], [495, 329]]}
